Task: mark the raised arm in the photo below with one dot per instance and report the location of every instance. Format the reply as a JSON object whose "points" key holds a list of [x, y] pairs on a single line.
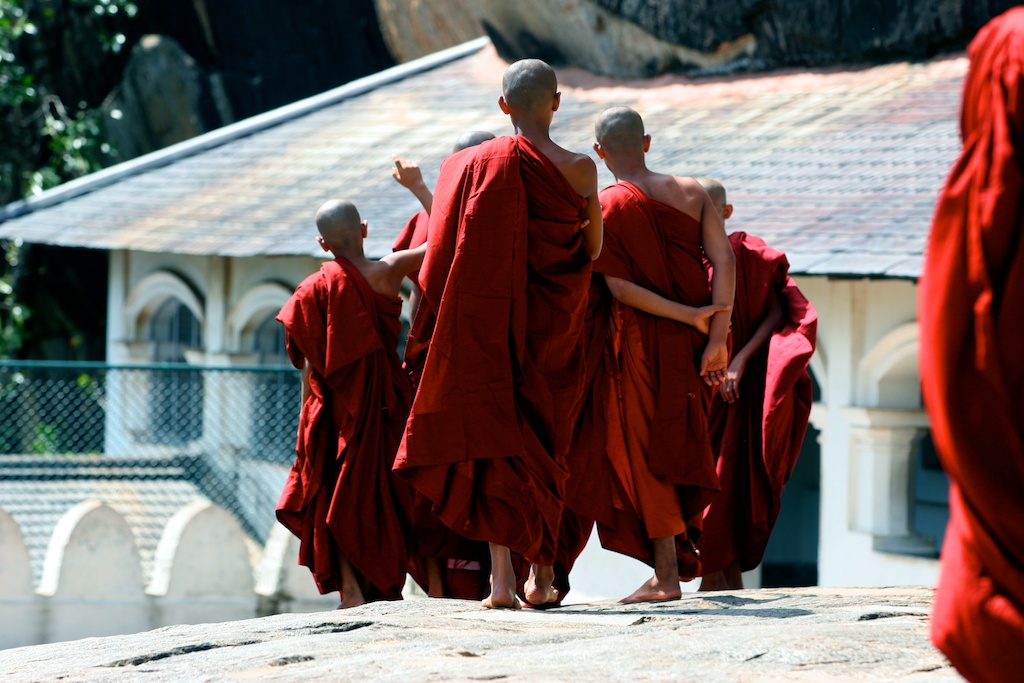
{"points": [[715, 360], [407, 173], [402, 262]]}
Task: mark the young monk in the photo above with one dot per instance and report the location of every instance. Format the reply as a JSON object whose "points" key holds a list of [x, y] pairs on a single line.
{"points": [[972, 369], [340, 499], [759, 416], [491, 424], [671, 342], [445, 564]]}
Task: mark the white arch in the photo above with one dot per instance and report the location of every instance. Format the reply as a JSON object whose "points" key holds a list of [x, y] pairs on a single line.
{"points": [[251, 310], [892, 358], [153, 290]]}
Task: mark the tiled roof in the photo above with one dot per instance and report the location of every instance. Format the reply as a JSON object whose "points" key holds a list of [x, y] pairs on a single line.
{"points": [[839, 168], [37, 491]]}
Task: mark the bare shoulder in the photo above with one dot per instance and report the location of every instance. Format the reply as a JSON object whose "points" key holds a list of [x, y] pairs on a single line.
{"points": [[581, 172]]}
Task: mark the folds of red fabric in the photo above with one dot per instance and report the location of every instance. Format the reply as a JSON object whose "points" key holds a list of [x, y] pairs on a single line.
{"points": [[972, 369], [658, 439], [589, 485], [505, 277], [431, 538], [757, 439], [340, 496]]}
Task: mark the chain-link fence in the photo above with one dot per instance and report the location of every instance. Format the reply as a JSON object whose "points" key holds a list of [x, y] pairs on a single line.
{"points": [[129, 432]]}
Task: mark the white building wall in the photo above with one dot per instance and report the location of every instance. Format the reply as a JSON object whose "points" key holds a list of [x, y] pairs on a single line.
{"points": [[871, 417]]}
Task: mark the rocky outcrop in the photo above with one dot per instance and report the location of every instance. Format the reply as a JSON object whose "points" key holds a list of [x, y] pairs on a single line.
{"points": [[810, 634], [157, 103], [413, 28], [637, 38]]}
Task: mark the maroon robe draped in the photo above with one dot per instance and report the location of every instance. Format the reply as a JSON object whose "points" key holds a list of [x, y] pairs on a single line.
{"points": [[465, 563], [658, 431], [505, 276], [757, 439], [341, 496], [971, 302]]}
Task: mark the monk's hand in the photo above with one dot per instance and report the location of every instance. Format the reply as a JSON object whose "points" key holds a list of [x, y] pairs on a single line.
{"points": [[702, 318], [407, 173], [714, 363], [730, 388]]}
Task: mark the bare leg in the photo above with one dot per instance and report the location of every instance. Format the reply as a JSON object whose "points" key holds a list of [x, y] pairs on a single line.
{"points": [[734, 576], [435, 577], [351, 593], [503, 579], [538, 589], [664, 585], [713, 582]]}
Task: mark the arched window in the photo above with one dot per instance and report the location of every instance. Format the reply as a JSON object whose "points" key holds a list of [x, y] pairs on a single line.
{"points": [[176, 405]]}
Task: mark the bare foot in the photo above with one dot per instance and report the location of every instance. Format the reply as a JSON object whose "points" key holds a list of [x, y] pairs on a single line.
{"points": [[538, 589], [502, 599], [351, 599], [655, 591], [713, 582], [503, 580]]}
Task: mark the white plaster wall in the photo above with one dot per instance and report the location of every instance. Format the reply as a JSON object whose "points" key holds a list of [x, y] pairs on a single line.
{"points": [[92, 583], [246, 273], [854, 316]]}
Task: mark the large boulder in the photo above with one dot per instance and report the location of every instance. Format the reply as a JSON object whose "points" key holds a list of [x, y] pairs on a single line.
{"points": [[637, 38], [157, 102]]}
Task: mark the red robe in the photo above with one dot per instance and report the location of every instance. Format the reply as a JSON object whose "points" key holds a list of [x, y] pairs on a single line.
{"points": [[414, 234], [658, 430], [506, 275], [340, 496], [589, 486], [757, 439], [971, 306], [465, 563]]}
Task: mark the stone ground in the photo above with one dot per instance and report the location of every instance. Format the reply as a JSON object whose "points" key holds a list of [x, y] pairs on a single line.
{"points": [[806, 634]]}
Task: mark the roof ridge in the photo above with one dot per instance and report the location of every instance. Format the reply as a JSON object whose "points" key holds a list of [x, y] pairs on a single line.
{"points": [[234, 131]]}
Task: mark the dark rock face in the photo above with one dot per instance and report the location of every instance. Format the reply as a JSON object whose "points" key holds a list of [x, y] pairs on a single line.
{"points": [[262, 54], [815, 32], [157, 103]]}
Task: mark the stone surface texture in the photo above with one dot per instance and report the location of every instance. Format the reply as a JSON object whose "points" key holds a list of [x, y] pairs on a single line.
{"points": [[643, 38], [810, 634]]}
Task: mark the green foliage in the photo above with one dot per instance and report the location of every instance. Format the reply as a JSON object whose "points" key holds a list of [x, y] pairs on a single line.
{"points": [[12, 314], [45, 141]]}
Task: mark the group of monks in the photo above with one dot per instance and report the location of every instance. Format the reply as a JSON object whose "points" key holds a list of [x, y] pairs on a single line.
{"points": [[575, 358]]}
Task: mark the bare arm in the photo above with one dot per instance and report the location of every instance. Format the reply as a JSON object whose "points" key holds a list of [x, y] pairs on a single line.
{"points": [[307, 391], [647, 301], [593, 232], [407, 173], [715, 360], [402, 262], [737, 366]]}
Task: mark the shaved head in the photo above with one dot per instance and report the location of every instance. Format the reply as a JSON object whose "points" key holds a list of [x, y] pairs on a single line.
{"points": [[471, 139], [620, 130], [715, 189], [339, 224], [528, 84]]}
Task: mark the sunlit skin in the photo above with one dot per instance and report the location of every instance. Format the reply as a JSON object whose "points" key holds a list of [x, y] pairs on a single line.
{"points": [[622, 144]]}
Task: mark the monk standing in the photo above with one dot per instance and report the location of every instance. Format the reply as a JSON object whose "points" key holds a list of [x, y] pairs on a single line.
{"points": [[445, 564], [514, 225], [671, 342], [972, 366], [340, 499], [759, 416]]}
